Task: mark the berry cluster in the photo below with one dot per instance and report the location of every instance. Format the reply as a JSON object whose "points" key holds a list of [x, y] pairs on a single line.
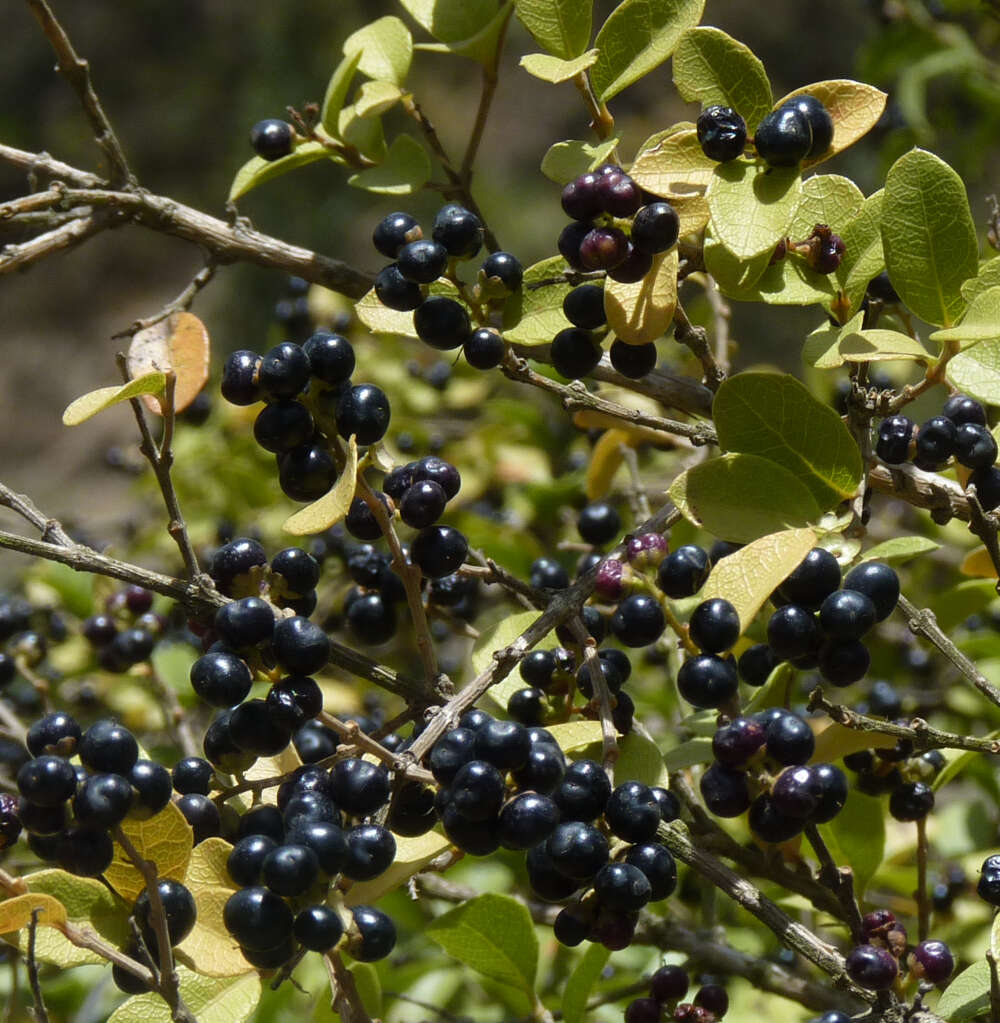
{"points": [[960, 432], [877, 963], [287, 856], [69, 810], [438, 320], [309, 397], [618, 228], [762, 766], [667, 986], [125, 634], [22, 637], [904, 776]]}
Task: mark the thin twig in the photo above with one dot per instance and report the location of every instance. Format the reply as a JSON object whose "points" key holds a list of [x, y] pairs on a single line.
{"points": [[923, 899], [595, 667], [60, 239], [347, 1003], [922, 489], [839, 881], [180, 304], [696, 338], [487, 92], [600, 117], [41, 1014], [351, 732]]}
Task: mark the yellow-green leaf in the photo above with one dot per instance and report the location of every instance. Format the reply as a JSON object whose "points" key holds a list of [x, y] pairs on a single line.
{"points": [[605, 460], [641, 312], [483, 46], [854, 107], [210, 1000], [412, 855], [981, 321], [576, 735], [207, 866], [640, 759], [386, 49], [366, 134], [451, 21], [826, 199], [87, 405], [496, 637], [535, 316], [166, 840], [336, 91], [16, 912], [566, 160], [989, 277], [928, 236], [210, 948], [968, 995], [554, 69], [747, 577], [257, 170], [856, 836], [562, 27], [581, 982], [405, 169], [742, 497], [878, 345], [712, 67], [977, 372], [863, 258], [751, 205], [637, 37], [737, 278], [332, 506], [674, 166], [899, 548], [376, 97]]}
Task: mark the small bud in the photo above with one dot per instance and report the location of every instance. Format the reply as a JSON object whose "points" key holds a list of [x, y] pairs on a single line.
{"points": [[646, 549], [608, 583]]}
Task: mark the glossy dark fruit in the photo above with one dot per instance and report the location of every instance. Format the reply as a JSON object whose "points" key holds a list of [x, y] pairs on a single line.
{"points": [[178, 907], [622, 887], [796, 792], [294, 699], [202, 814], [263, 819], [912, 801], [633, 267], [442, 323], [895, 434], [450, 752], [103, 800], [477, 791], [655, 228], [548, 574], [669, 984], [618, 194], [847, 614], [820, 122], [769, 823], [372, 619], [459, 230], [477, 838], [783, 138], [527, 820], [569, 243], [632, 361], [437, 470], [394, 291], [235, 559], [932, 961], [614, 676], [422, 504], [283, 425], [84, 851], [638, 620], [193, 774], [599, 523], [789, 739], [45, 821], [439, 551], [108, 746], [879, 583], [526, 706], [245, 622], [271, 139], [792, 632], [960, 408], [331, 357], [484, 348], [257, 918], [307, 472], [736, 742], [713, 997], [364, 411], [412, 811], [657, 863], [714, 625], [683, 571], [505, 744], [543, 771], [584, 307], [584, 791], [270, 958], [126, 982], [57, 733], [290, 870], [988, 887], [975, 446], [725, 790], [317, 928], [880, 289], [812, 580], [987, 484], [936, 441], [580, 198], [575, 353], [505, 268], [603, 248], [359, 787], [99, 629], [284, 370], [722, 133], [578, 850], [377, 934], [47, 780], [871, 967], [422, 261], [326, 839], [393, 232], [643, 1010], [756, 663], [571, 926], [632, 812], [255, 729], [708, 681], [370, 852], [247, 857], [300, 646]]}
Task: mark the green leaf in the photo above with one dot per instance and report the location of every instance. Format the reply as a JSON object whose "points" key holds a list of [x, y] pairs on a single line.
{"points": [[381, 320], [166, 839], [88, 405], [375, 98], [364, 133], [776, 691], [640, 759], [496, 638], [747, 577], [826, 199], [742, 497], [877, 345], [534, 317], [562, 27], [981, 321], [674, 166], [581, 982], [928, 236], [172, 664], [412, 855], [555, 69], [494, 935], [17, 912], [484, 46], [336, 91], [386, 49], [712, 67], [451, 21], [406, 169], [258, 170], [822, 346], [332, 506], [989, 277], [576, 735], [751, 205], [775, 416], [566, 160], [863, 258], [968, 995], [210, 1000], [856, 836], [900, 548], [642, 311], [689, 753], [977, 372], [637, 37], [369, 986], [738, 278]]}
